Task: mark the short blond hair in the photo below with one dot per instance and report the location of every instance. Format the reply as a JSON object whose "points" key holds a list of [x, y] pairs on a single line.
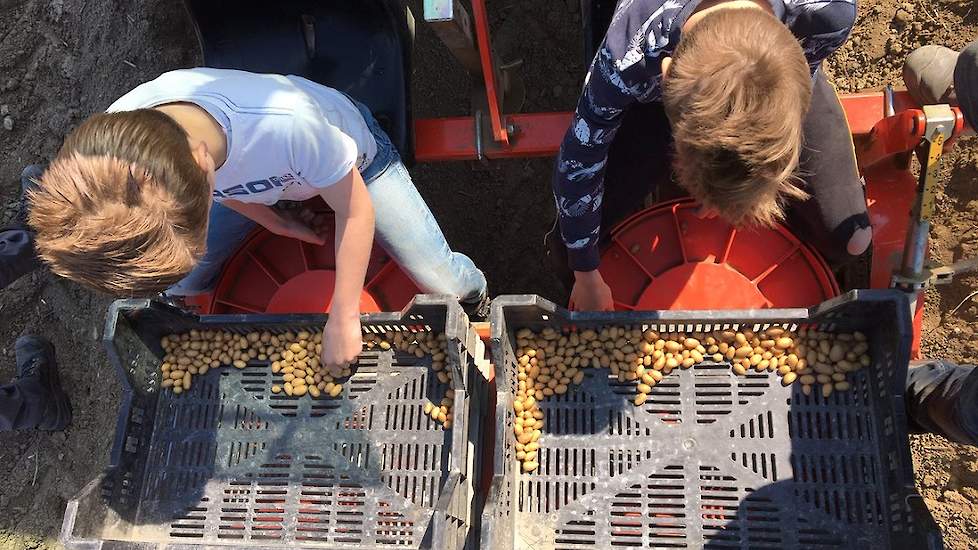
{"points": [[736, 93], [123, 207]]}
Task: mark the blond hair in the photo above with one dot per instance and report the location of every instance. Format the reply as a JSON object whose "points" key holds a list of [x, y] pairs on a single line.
{"points": [[736, 93], [123, 207]]}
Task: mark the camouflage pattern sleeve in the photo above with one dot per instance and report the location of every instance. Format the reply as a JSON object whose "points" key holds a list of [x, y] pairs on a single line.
{"points": [[822, 26], [578, 182]]}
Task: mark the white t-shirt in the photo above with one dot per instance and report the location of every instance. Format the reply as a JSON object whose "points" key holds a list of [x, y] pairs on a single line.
{"points": [[288, 137]]}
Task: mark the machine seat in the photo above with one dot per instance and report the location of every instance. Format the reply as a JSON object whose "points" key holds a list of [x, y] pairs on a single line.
{"points": [[361, 47]]}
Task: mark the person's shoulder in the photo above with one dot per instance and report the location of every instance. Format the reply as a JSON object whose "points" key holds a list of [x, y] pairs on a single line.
{"points": [[640, 33], [815, 17], [643, 20], [167, 83]]}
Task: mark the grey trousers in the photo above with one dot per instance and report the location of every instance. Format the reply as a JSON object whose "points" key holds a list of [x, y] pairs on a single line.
{"points": [[942, 398], [22, 402]]}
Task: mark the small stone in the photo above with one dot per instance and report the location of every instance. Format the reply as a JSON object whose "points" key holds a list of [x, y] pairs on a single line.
{"points": [[907, 7], [4, 109], [8, 123], [903, 17], [956, 331], [896, 48]]}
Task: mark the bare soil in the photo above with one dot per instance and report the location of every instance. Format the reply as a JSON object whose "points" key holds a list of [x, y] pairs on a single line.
{"points": [[61, 60]]}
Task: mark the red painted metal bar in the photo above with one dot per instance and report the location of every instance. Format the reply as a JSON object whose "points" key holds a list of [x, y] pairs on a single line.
{"points": [[481, 20], [445, 139], [890, 136], [539, 134], [865, 109]]}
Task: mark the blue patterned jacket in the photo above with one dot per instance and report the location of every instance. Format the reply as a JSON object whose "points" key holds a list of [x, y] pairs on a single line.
{"points": [[627, 69]]}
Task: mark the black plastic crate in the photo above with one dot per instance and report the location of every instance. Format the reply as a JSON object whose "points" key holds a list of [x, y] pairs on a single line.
{"points": [[712, 460], [230, 465]]}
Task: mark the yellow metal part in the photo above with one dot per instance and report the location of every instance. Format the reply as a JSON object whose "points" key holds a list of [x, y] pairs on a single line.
{"points": [[935, 148]]}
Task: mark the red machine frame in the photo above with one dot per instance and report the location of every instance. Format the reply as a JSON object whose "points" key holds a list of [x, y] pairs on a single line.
{"points": [[886, 129]]}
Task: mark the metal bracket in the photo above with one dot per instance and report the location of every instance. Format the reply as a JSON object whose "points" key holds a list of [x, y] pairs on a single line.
{"points": [[453, 26], [940, 125], [914, 273], [931, 275], [478, 136]]}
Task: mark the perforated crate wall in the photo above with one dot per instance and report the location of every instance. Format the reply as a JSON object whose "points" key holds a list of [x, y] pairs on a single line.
{"points": [[231, 465], [712, 460]]}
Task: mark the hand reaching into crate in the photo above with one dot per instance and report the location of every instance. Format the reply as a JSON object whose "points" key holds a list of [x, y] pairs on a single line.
{"points": [[590, 292], [342, 342]]}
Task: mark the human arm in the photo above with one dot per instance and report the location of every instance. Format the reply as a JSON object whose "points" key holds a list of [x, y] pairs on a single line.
{"points": [[276, 222], [354, 218], [578, 182], [823, 27]]}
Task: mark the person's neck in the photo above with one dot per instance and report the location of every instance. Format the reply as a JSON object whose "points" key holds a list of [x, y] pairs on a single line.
{"points": [[200, 127], [712, 6]]}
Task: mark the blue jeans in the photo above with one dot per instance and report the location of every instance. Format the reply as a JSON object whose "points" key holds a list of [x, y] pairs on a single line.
{"points": [[405, 228]]}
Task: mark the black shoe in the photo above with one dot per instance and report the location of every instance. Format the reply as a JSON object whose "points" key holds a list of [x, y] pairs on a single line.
{"points": [[35, 359], [479, 309], [172, 300], [14, 215]]}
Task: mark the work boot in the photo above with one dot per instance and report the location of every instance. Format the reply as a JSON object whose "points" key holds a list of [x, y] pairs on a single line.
{"points": [[966, 83], [14, 215], [36, 365], [935, 74], [928, 73], [17, 254], [942, 398]]}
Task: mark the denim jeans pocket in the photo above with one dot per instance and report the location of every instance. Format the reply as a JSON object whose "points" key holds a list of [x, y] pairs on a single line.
{"points": [[386, 152]]}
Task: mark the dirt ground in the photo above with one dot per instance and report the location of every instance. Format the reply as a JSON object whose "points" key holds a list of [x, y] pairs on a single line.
{"points": [[63, 59]]}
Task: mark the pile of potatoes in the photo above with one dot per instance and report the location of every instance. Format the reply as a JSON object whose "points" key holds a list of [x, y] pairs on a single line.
{"points": [[195, 352], [550, 362], [294, 357], [297, 362], [421, 344]]}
